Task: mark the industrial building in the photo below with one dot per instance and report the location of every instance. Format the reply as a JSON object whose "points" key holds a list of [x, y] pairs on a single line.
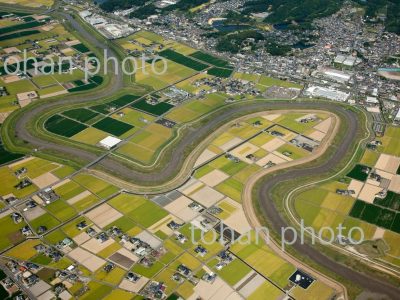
{"points": [[115, 31], [109, 142], [336, 75], [329, 93]]}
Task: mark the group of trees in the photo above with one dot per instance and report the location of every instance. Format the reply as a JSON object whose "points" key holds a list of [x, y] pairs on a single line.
{"points": [[304, 12], [390, 8], [299, 15], [113, 5], [234, 42], [286, 11], [148, 8]]}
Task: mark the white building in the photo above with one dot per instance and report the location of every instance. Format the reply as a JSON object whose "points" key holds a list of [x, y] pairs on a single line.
{"points": [[337, 75], [115, 31], [85, 13], [96, 20], [372, 100], [329, 93], [109, 142], [397, 117]]}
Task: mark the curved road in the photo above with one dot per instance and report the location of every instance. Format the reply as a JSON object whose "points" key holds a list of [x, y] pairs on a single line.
{"points": [[178, 156], [273, 216]]}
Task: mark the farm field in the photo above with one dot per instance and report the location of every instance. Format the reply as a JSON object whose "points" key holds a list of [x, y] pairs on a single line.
{"points": [[192, 110], [95, 236], [160, 76], [35, 82], [97, 226], [34, 3], [220, 72], [126, 117], [265, 81], [7, 157], [210, 59], [183, 60], [377, 215], [145, 144]]}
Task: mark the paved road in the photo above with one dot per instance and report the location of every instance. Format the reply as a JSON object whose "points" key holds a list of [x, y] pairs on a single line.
{"points": [[273, 216], [179, 152], [22, 286], [117, 84]]}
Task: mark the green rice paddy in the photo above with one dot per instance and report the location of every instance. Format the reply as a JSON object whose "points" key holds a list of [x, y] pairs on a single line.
{"points": [[81, 48], [113, 126], [358, 173], [80, 114], [157, 109], [392, 201], [210, 59], [183, 60], [220, 72], [63, 126], [376, 215]]}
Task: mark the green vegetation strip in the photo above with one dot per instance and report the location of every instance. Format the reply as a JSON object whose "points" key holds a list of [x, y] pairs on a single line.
{"points": [[22, 26], [207, 58], [220, 72], [183, 60], [8, 13], [18, 34]]}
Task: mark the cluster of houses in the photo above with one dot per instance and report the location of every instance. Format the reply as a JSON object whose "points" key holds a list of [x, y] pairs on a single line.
{"points": [[25, 271], [155, 290], [176, 95], [48, 251], [230, 86]]}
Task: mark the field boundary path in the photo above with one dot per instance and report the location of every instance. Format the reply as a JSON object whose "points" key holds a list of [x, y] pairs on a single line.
{"points": [[178, 154]]}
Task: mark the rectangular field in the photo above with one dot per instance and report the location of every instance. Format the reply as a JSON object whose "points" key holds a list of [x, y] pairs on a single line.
{"points": [[220, 72], [80, 114], [210, 59], [113, 126], [157, 109], [63, 126], [183, 60]]}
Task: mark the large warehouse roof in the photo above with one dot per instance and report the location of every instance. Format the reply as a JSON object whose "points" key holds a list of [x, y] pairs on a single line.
{"points": [[110, 142]]}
